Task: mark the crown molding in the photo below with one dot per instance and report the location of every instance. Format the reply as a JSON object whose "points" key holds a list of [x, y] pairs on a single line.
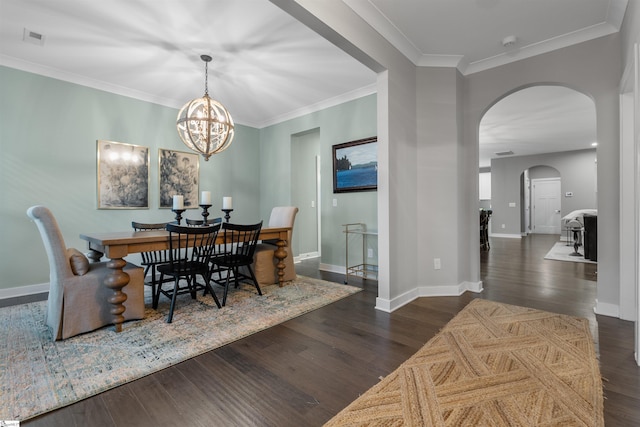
{"points": [[54, 73], [583, 35], [327, 103], [379, 22]]}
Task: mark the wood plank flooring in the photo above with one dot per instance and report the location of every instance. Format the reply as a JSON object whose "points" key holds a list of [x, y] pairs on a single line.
{"points": [[304, 371]]}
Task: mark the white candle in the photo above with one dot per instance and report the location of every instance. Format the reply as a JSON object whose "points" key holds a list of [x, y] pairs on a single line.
{"points": [[206, 198], [178, 202], [227, 203]]}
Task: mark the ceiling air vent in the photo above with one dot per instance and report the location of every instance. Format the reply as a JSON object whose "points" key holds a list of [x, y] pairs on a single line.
{"points": [[504, 153], [33, 37]]}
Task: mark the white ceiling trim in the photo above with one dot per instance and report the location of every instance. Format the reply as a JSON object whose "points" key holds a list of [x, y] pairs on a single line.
{"points": [[372, 15], [327, 103], [454, 61], [11, 62], [54, 73], [583, 35]]}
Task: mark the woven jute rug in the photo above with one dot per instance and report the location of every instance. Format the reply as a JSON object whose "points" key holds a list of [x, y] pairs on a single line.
{"points": [[491, 365], [38, 374]]}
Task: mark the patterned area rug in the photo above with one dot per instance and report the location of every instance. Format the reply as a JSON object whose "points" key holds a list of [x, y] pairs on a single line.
{"points": [[560, 252], [492, 365], [38, 375]]}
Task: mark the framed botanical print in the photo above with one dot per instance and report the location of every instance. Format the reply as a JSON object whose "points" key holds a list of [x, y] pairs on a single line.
{"points": [[122, 175], [178, 173]]}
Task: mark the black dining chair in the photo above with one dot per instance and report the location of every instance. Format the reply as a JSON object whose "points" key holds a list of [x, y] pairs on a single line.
{"points": [[236, 254], [151, 259], [190, 252]]}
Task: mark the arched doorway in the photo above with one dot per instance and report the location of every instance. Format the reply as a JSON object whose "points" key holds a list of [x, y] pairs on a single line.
{"points": [[544, 133]]}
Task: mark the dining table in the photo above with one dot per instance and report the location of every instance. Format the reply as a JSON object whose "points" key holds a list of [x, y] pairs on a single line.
{"points": [[118, 244]]}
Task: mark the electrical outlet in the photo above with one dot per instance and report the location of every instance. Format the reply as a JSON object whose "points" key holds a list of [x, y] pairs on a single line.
{"points": [[313, 203], [436, 264], [502, 226], [370, 253], [335, 202]]}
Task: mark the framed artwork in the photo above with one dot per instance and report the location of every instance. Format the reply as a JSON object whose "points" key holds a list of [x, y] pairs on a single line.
{"points": [[178, 173], [355, 166], [122, 175]]}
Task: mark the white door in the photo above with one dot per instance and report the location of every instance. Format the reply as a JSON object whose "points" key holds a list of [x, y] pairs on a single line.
{"points": [[545, 194]]}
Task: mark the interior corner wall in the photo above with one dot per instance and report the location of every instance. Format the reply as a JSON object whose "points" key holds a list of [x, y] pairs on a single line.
{"points": [[439, 176], [593, 68], [48, 133]]}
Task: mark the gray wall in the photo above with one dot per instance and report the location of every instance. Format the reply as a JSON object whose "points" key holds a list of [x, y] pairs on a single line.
{"points": [[575, 168], [593, 68]]}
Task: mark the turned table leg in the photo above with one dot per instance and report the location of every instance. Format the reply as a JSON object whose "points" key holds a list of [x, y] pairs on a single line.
{"points": [[280, 255], [117, 280]]}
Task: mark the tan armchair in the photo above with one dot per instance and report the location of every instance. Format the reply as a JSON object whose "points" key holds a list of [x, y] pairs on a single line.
{"points": [[264, 264], [77, 295]]}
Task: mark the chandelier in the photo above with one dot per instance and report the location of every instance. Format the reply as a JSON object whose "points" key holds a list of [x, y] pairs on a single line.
{"points": [[204, 124]]}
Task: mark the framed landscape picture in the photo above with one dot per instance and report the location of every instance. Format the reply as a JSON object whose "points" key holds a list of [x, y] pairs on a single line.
{"points": [[355, 166], [178, 173], [122, 175]]}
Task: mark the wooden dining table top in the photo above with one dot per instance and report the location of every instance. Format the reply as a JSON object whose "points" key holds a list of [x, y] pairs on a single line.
{"points": [[117, 244]]}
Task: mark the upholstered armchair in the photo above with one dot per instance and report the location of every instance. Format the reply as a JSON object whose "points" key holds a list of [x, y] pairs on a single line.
{"points": [[264, 264], [77, 300]]}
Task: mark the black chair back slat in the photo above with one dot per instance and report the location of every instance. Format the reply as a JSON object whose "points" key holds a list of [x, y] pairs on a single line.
{"points": [[236, 252], [190, 251]]}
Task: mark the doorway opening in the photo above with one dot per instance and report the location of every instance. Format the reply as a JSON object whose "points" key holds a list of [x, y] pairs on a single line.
{"points": [[305, 193]]}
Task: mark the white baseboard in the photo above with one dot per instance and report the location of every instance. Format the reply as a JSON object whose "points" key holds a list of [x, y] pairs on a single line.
{"points": [[427, 291], [606, 309], [332, 268], [308, 255], [21, 291], [508, 236]]}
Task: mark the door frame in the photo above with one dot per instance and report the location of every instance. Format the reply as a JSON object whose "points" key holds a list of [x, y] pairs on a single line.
{"points": [[533, 196]]}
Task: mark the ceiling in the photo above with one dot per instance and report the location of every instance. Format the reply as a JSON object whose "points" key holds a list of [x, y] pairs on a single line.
{"points": [[268, 67]]}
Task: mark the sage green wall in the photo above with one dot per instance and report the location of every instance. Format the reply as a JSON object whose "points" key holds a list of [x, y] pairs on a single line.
{"points": [[48, 133], [345, 122]]}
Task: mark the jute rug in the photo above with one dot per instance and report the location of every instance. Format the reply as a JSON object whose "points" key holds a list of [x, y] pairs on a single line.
{"points": [[492, 365], [38, 375], [560, 252]]}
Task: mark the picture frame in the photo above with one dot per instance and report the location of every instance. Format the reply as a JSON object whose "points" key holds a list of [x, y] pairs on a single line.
{"points": [[178, 174], [355, 165], [122, 173]]}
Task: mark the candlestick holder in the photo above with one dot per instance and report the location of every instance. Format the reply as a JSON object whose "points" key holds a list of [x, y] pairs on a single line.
{"points": [[178, 213], [205, 213], [226, 214]]}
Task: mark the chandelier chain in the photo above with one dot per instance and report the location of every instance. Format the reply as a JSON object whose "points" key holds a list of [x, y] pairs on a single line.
{"points": [[206, 78]]}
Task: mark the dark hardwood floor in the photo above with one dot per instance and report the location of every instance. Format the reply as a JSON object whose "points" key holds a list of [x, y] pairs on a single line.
{"points": [[304, 371]]}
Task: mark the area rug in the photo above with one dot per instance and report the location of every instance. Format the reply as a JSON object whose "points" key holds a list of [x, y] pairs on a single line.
{"points": [[560, 252], [492, 365], [38, 375]]}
